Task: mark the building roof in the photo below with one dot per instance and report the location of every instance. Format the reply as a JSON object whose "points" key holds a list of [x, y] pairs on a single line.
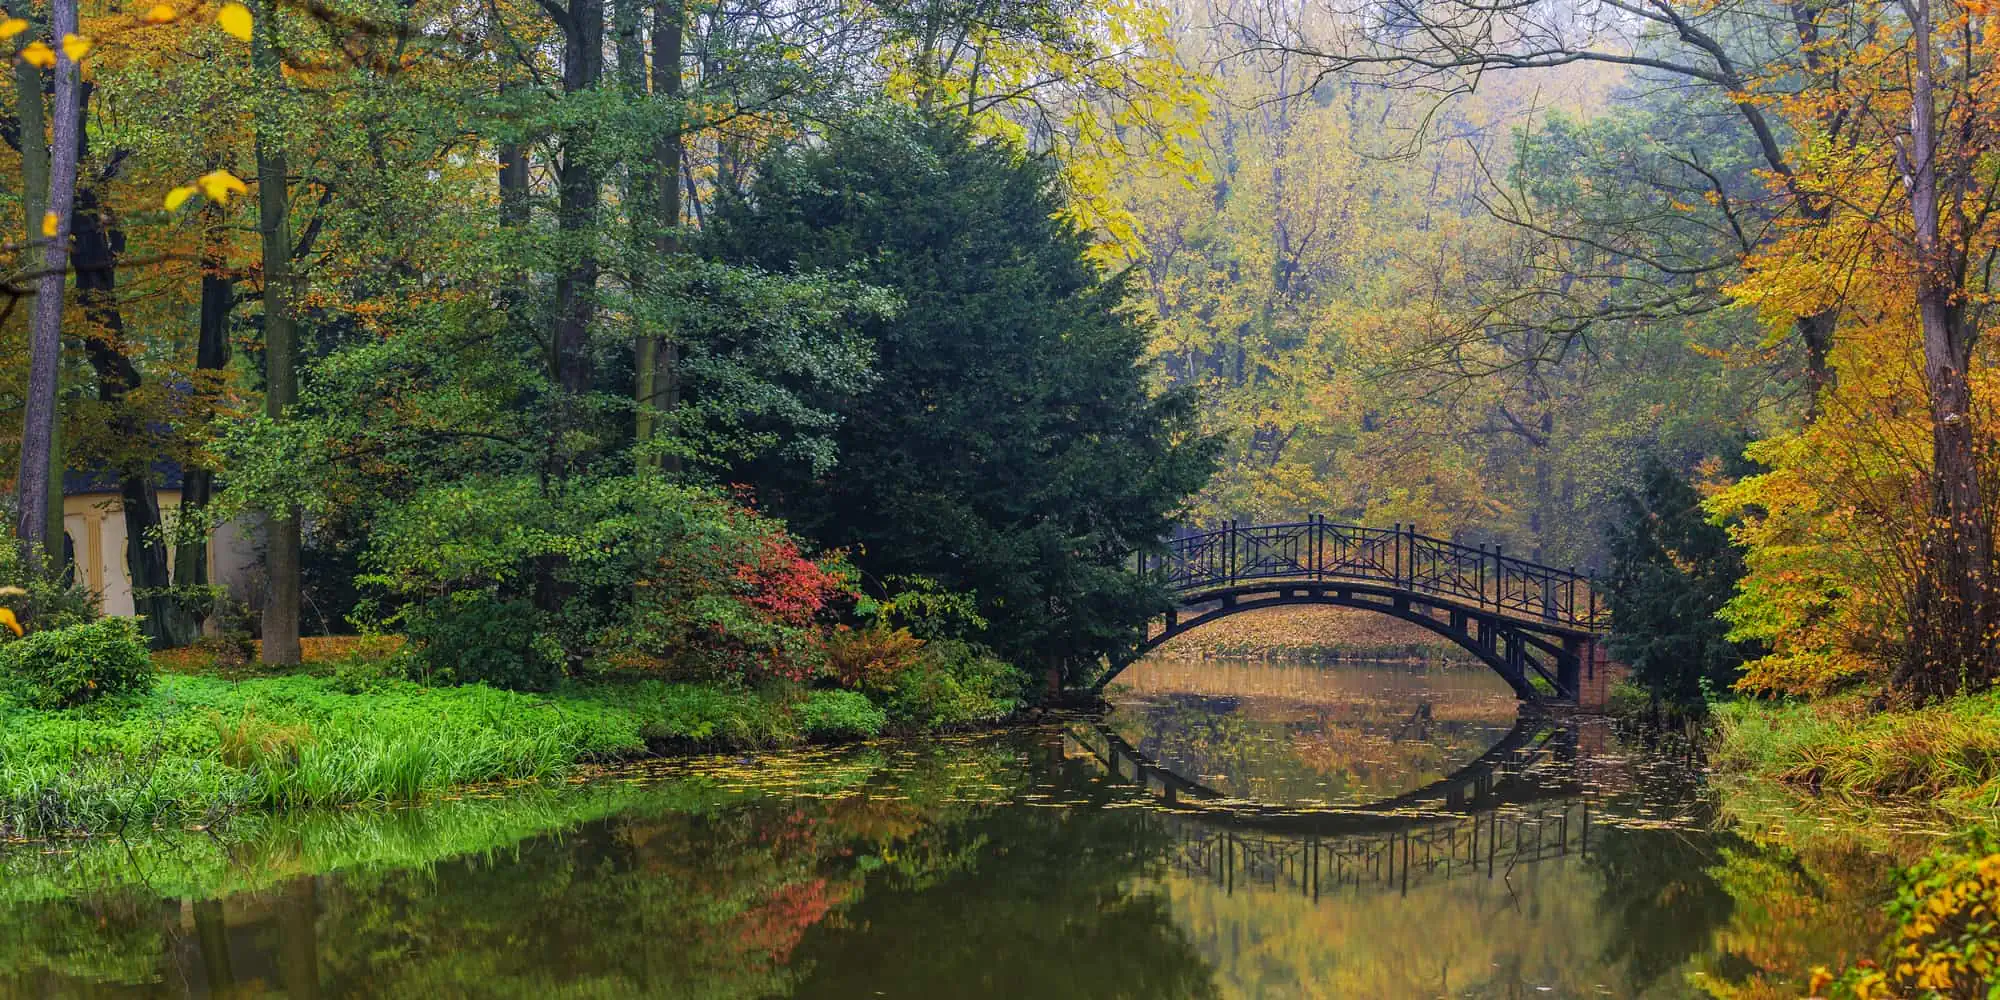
{"points": [[167, 475]]}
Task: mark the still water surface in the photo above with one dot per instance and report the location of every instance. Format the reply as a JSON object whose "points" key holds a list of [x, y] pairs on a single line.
{"points": [[1257, 830]]}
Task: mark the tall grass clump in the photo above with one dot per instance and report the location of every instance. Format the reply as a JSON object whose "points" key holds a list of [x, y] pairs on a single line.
{"points": [[1947, 754], [198, 749]]}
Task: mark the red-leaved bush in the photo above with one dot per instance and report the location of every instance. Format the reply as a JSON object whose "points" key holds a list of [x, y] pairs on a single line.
{"points": [[731, 595], [784, 584]]}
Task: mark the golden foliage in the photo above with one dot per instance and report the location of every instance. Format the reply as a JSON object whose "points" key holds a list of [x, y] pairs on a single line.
{"points": [[1834, 529]]}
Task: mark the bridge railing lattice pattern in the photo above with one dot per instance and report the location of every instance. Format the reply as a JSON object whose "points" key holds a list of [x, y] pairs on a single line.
{"points": [[1319, 550]]}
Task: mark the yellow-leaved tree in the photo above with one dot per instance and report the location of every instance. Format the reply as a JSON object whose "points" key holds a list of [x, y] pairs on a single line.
{"points": [[1871, 537], [1100, 85], [70, 49]]}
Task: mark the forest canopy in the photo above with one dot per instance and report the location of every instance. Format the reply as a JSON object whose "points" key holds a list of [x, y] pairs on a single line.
{"points": [[971, 293]]}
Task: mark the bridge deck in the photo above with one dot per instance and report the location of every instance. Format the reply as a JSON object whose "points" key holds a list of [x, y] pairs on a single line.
{"points": [[1400, 558]]}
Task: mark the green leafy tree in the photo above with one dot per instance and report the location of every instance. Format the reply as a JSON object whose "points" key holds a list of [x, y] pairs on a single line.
{"points": [[1671, 572], [1010, 445]]}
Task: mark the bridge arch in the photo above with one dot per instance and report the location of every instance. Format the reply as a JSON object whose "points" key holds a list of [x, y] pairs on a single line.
{"points": [[1524, 620], [1504, 775]]}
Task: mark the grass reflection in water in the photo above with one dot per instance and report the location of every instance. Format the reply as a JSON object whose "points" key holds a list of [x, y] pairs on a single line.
{"points": [[1003, 865]]}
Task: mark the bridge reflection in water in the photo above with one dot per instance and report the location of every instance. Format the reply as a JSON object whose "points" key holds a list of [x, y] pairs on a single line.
{"points": [[1488, 845], [1517, 804]]}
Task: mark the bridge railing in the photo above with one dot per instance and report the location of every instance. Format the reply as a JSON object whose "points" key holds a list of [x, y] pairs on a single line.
{"points": [[1401, 556]]}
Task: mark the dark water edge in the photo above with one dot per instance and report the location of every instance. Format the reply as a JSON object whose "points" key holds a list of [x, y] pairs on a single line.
{"points": [[1352, 831]]}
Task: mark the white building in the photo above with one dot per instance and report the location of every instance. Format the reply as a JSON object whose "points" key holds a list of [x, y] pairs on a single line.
{"points": [[94, 523]]}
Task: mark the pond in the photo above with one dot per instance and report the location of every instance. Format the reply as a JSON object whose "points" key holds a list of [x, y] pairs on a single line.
{"points": [[1230, 830]]}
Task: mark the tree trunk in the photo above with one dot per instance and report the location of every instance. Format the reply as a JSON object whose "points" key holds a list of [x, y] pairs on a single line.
{"points": [[281, 381], [31, 126], [1816, 332], [658, 363], [166, 623], [211, 353], [577, 180], [1950, 647], [45, 324], [639, 199]]}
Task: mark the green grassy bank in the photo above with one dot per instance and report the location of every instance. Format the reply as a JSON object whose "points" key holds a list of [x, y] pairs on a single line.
{"points": [[1945, 756], [199, 749]]}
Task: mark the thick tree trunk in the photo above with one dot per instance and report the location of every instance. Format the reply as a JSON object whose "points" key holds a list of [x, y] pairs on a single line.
{"points": [[1816, 332], [578, 183], [1951, 612], [45, 324], [31, 125], [211, 354], [166, 623], [281, 385], [577, 194], [1951, 603], [516, 210]]}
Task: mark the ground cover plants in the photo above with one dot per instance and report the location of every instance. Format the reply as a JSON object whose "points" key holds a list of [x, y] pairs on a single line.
{"points": [[199, 749]]}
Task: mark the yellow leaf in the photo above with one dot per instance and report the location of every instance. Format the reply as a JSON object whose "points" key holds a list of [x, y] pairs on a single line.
{"points": [[218, 185], [39, 55], [50, 222], [179, 196], [235, 19], [7, 618], [161, 14], [11, 27], [76, 47]]}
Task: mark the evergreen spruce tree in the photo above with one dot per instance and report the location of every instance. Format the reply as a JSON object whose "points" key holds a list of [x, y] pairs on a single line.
{"points": [[1672, 570], [1010, 445]]}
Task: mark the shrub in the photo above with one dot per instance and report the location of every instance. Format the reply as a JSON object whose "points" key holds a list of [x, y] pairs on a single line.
{"points": [[66, 667], [1627, 700], [840, 715], [363, 673], [955, 684], [656, 576], [926, 609], [871, 658], [45, 602], [476, 638]]}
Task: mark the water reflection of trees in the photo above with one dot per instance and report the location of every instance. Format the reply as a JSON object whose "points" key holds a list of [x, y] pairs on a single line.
{"points": [[738, 899], [993, 868], [1346, 754]]}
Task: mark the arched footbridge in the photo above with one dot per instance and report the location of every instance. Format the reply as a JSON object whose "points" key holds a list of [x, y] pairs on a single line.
{"points": [[1525, 620]]}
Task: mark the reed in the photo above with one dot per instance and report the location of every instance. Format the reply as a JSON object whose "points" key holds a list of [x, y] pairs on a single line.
{"points": [[1947, 754]]}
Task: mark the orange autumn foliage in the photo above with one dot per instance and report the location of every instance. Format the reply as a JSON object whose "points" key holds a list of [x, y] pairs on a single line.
{"points": [[1835, 528]]}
